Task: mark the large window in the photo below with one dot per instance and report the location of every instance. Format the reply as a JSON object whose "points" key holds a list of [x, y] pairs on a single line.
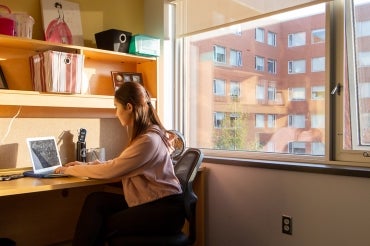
{"points": [[315, 103]]}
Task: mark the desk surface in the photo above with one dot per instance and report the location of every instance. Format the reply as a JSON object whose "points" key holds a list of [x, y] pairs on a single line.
{"points": [[29, 184]]}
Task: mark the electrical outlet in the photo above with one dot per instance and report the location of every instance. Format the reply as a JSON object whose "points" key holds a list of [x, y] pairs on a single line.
{"points": [[287, 224]]}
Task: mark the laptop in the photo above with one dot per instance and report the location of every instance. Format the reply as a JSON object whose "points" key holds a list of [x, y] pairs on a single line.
{"points": [[44, 156]]}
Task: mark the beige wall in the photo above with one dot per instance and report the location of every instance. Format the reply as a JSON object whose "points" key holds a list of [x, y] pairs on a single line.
{"points": [[244, 207]]}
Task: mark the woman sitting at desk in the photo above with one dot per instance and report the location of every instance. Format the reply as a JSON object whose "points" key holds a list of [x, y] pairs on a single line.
{"points": [[152, 200]]}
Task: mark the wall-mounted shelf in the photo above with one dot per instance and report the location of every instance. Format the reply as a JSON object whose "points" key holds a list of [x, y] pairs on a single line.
{"points": [[14, 60]]}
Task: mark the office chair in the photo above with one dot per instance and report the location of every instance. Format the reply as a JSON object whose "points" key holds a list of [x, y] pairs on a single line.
{"points": [[186, 169]]}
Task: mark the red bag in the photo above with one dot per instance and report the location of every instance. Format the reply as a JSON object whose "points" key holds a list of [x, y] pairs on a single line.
{"points": [[7, 22], [55, 71]]}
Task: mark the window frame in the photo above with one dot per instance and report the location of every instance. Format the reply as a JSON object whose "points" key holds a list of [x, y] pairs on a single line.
{"points": [[334, 103]]}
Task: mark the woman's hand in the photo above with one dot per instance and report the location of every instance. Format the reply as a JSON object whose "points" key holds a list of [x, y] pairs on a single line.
{"points": [[61, 170]]}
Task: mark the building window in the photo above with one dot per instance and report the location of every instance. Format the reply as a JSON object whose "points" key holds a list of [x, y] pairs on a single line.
{"points": [[296, 66], [260, 92], [260, 121], [271, 66], [297, 148], [234, 89], [318, 92], [219, 54], [364, 58], [364, 90], [271, 38], [317, 121], [296, 39], [297, 121], [219, 87], [260, 35], [318, 36], [271, 120], [318, 64], [317, 148], [297, 94], [218, 119], [236, 58], [271, 93], [363, 28], [259, 63]]}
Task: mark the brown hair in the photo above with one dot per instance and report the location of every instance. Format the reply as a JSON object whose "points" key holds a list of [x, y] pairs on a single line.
{"points": [[143, 110]]}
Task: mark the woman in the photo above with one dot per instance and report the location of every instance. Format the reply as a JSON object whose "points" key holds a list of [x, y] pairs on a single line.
{"points": [[152, 201]]}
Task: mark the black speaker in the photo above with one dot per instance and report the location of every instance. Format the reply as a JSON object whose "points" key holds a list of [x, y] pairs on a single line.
{"points": [[112, 39]]}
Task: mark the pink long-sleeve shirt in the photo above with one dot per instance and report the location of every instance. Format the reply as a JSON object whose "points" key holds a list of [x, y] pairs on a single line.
{"points": [[145, 168]]}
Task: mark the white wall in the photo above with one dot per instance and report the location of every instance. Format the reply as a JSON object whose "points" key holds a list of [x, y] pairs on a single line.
{"points": [[244, 207]]}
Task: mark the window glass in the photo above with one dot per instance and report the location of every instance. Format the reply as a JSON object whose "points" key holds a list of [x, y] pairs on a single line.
{"points": [[297, 66], [271, 38], [318, 92], [273, 111], [297, 94], [296, 39], [271, 66], [236, 58], [318, 36], [219, 87], [318, 64], [219, 54], [356, 101], [260, 35]]}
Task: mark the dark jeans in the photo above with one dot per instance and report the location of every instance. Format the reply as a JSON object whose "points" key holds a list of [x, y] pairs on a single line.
{"points": [[107, 214]]}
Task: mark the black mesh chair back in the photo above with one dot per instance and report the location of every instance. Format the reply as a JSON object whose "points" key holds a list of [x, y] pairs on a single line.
{"points": [[186, 169]]}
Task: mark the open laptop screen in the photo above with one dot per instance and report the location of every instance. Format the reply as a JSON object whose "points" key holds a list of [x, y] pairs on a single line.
{"points": [[44, 154]]}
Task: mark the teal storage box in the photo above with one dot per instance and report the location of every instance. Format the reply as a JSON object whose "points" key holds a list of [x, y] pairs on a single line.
{"points": [[144, 45]]}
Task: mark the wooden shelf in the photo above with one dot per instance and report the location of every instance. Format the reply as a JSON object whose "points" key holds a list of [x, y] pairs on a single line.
{"points": [[34, 98], [98, 64]]}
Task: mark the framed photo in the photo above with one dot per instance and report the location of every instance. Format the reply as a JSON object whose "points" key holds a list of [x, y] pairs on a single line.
{"points": [[119, 78], [3, 84]]}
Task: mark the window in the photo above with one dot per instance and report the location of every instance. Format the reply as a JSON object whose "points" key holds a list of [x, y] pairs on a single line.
{"points": [[259, 63], [272, 103], [318, 64], [218, 119], [318, 92], [297, 94], [317, 121], [234, 89], [271, 93], [297, 66], [296, 121], [318, 36], [356, 105], [260, 35], [271, 66], [363, 29], [219, 87], [363, 58], [271, 120], [364, 90], [260, 92], [219, 54], [236, 58], [260, 120], [271, 38], [297, 148], [296, 39]]}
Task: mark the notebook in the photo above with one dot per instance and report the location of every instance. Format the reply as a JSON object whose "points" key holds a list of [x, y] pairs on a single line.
{"points": [[44, 156]]}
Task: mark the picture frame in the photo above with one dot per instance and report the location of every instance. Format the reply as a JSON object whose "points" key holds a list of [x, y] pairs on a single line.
{"points": [[3, 84], [119, 78]]}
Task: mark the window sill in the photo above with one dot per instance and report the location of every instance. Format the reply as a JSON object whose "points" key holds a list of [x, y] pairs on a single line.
{"points": [[293, 166]]}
